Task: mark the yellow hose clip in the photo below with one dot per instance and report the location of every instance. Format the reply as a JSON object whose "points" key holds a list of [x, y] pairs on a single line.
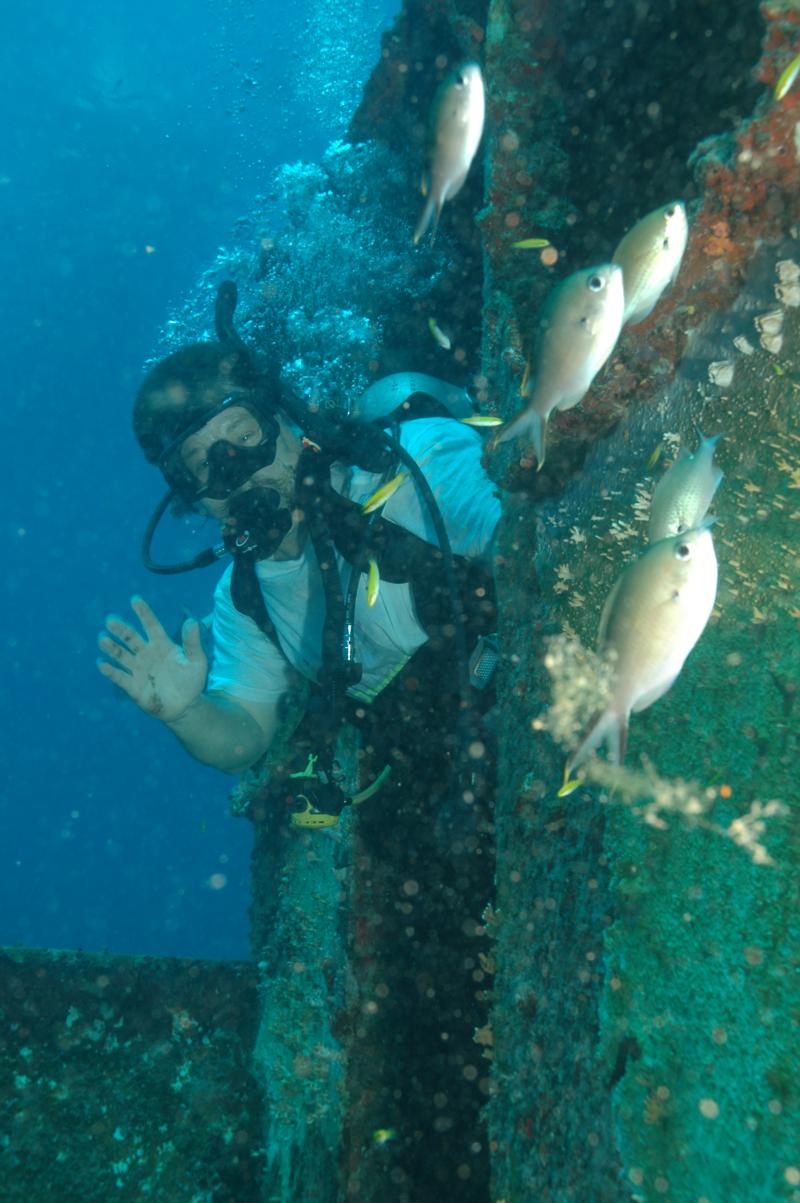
{"points": [[311, 817]]}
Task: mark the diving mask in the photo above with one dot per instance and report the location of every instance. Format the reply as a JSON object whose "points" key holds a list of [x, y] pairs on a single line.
{"points": [[195, 469]]}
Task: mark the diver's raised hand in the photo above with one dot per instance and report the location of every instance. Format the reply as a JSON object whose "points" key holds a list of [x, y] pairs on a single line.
{"points": [[162, 677]]}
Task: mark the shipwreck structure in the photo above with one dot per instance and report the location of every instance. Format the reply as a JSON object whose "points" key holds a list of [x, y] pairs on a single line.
{"points": [[591, 1000]]}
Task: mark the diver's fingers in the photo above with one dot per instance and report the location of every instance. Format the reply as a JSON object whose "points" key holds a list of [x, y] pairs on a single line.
{"points": [[190, 634], [115, 651], [152, 627], [125, 634], [117, 675]]}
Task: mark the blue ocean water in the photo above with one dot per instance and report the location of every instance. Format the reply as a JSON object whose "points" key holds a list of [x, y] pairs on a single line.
{"points": [[133, 139]]}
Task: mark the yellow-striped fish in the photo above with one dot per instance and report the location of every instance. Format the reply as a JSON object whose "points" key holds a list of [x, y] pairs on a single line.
{"points": [[384, 1136], [569, 784], [787, 78], [655, 455], [373, 582], [439, 334], [382, 495], [482, 421], [530, 244]]}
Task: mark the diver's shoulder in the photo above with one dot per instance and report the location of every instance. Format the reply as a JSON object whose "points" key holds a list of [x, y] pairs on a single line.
{"points": [[441, 433]]}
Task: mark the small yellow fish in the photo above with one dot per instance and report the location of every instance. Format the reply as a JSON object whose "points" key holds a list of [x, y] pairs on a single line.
{"points": [[482, 421], [373, 582], [655, 455], [382, 495], [530, 244], [569, 784], [383, 1136], [787, 78], [439, 334]]}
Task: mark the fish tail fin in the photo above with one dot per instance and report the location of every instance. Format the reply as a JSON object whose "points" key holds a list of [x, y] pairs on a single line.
{"points": [[530, 424], [606, 727], [711, 440], [429, 217]]}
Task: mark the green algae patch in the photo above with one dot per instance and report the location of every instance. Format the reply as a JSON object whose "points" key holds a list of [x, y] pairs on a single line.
{"points": [[126, 1078]]}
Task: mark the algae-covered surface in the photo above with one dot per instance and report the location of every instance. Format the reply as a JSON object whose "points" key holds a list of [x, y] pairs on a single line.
{"points": [[649, 932], [126, 1078]]}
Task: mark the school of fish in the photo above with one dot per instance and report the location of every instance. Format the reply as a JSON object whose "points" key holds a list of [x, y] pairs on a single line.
{"points": [[660, 604]]}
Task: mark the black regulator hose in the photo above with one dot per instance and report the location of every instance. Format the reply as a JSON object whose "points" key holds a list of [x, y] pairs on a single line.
{"points": [[202, 560], [224, 309], [448, 561]]}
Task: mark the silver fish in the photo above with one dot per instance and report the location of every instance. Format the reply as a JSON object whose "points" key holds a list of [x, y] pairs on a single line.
{"points": [[650, 256], [681, 498], [456, 126], [579, 326], [652, 619]]}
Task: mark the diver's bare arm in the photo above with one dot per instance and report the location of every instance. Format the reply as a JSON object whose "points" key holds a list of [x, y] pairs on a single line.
{"points": [[223, 733], [166, 680]]}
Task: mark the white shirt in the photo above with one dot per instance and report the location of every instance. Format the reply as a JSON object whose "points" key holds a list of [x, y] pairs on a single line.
{"points": [[246, 663]]}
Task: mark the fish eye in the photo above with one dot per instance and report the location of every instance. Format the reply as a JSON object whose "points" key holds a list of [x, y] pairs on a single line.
{"points": [[683, 552], [460, 80], [671, 211], [665, 244], [595, 283]]}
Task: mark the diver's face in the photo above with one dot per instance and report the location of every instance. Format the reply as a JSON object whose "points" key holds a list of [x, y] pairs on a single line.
{"points": [[237, 425]]}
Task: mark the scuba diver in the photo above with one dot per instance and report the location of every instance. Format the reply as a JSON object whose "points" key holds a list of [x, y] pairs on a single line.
{"points": [[354, 544]]}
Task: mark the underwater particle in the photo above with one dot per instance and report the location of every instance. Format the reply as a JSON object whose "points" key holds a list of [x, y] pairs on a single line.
{"points": [[149, 249], [217, 881], [792, 1175], [384, 1136], [721, 373], [549, 256], [725, 791], [709, 1108], [787, 78], [526, 244]]}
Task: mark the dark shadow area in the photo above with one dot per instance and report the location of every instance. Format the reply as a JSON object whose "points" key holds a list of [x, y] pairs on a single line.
{"points": [[642, 85]]}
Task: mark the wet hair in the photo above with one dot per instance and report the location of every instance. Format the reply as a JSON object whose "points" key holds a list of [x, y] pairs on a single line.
{"points": [[179, 388]]}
